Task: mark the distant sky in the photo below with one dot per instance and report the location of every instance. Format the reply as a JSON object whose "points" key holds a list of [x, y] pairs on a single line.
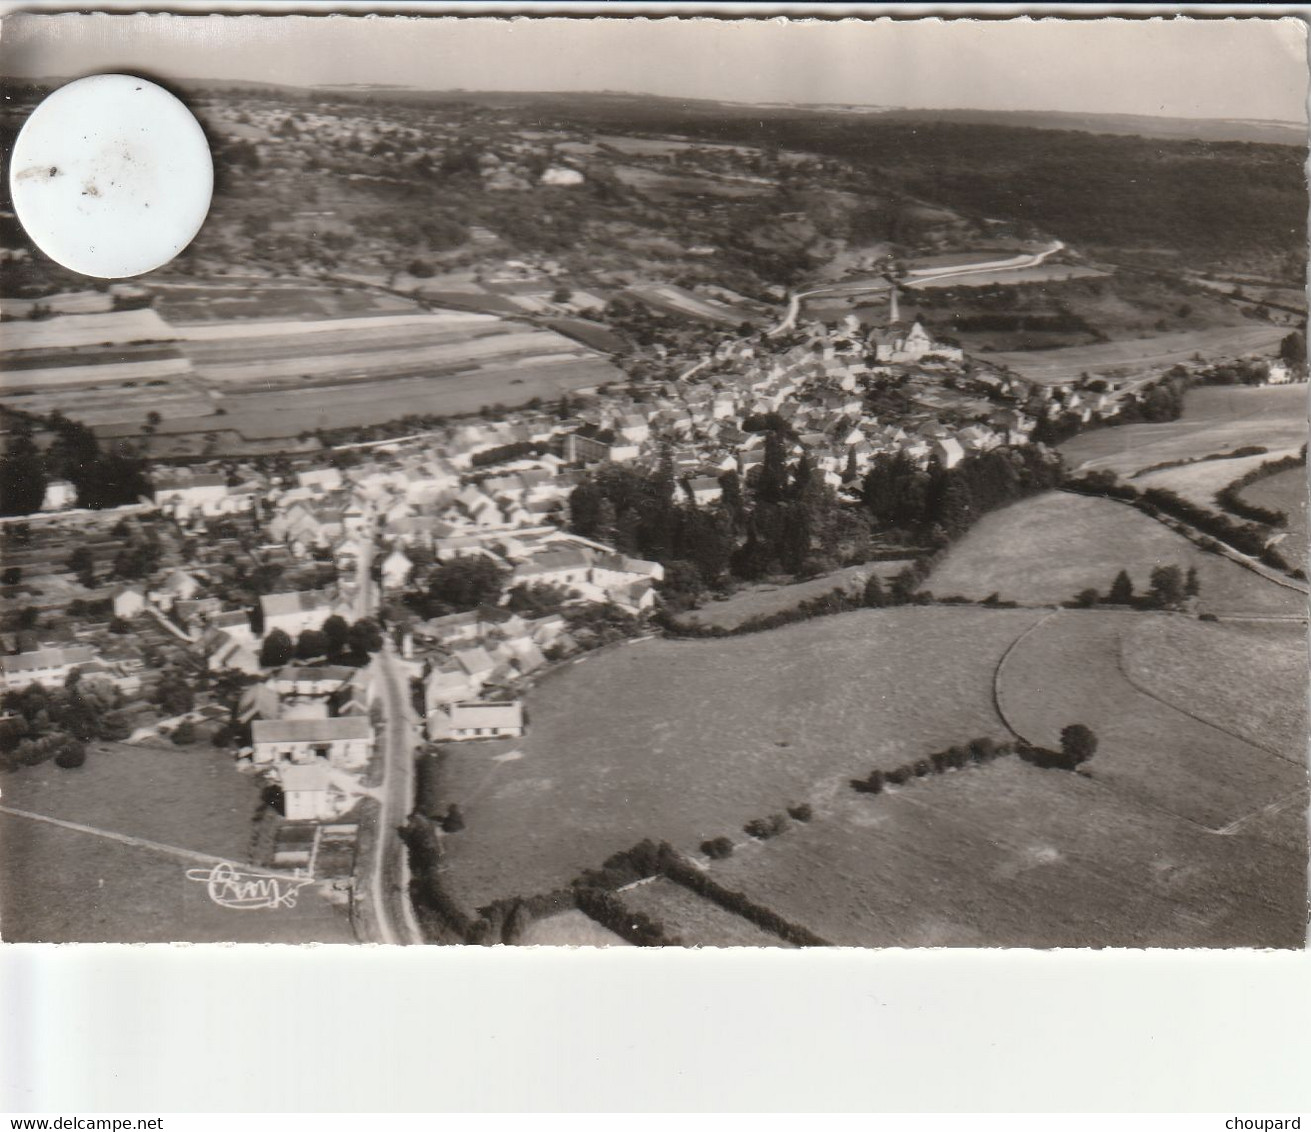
{"points": [[1245, 68]]}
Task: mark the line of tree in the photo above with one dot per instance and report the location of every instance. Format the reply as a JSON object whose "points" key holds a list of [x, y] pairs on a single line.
{"points": [[938, 504], [977, 752], [1247, 538], [1230, 497], [1170, 586]]}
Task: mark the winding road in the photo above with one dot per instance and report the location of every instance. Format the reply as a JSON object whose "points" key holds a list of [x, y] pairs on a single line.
{"points": [[927, 275]]}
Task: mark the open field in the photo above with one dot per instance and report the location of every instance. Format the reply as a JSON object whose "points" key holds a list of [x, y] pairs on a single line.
{"points": [[1252, 687], [686, 740], [654, 183], [255, 298], [762, 600], [283, 413], [66, 885], [677, 300], [274, 358], [1048, 548], [698, 922], [192, 797], [1200, 481], [1286, 492], [1010, 855], [570, 929], [1216, 418], [1139, 355], [1070, 670], [1042, 273], [420, 347], [63, 886]]}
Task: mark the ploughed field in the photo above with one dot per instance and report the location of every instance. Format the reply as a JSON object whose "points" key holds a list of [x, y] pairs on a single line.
{"points": [[267, 359], [688, 740], [1046, 549], [67, 885], [1137, 354], [1216, 418]]}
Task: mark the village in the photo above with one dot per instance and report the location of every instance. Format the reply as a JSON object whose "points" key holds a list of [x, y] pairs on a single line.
{"points": [[328, 617]]}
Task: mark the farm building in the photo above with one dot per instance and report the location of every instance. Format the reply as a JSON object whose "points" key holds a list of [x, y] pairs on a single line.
{"points": [[59, 495], [173, 489], [305, 795], [295, 612], [344, 741], [487, 720], [47, 667]]}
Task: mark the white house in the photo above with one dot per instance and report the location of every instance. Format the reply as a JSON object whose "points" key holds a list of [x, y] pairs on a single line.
{"points": [[341, 741], [47, 667], [486, 720], [705, 490], [295, 612], [396, 569], [59, 495], [192, 491], [306, 794]]}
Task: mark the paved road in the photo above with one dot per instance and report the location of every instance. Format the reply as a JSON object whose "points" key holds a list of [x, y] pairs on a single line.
{"points": [[365, 597], [389, 874], [1015, 263]]}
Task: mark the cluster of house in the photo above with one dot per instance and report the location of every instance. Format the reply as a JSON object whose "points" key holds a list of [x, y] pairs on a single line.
{"points": [[816, 385], [311, 732]]}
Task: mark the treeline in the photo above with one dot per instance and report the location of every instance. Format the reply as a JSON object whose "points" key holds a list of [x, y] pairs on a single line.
{"points": [[100, 479], [977, 752], [1247, 538], [594, 892], [939, 504], [1169, 587], [1231, 500], [782, 520], [1078, 745], [786, 520]]}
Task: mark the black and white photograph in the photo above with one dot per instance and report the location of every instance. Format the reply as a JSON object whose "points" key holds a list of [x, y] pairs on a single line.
{"points": [[622, 482]]}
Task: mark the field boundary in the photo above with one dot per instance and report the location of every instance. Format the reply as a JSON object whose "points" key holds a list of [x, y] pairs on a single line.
{"points": [[1194, 536], [1144, 691], [997, 699]]}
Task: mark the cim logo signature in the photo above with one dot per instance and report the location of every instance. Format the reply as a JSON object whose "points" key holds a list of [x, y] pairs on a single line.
{"points": [[229, 887]]}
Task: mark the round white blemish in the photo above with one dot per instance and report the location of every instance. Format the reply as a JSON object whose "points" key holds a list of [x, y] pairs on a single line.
{"points": [[111, 176]]}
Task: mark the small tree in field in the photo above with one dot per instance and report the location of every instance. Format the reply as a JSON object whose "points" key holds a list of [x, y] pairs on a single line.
{"points": [[72, 754], [1078, 743], [1191, 585], [1167, 586], [1121, 592]]}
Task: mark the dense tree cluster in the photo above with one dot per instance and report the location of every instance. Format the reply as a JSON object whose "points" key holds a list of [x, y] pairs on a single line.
{"points": [[781, 521], [101, 479], [458, 585], [940, 503], [56, 723]]}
